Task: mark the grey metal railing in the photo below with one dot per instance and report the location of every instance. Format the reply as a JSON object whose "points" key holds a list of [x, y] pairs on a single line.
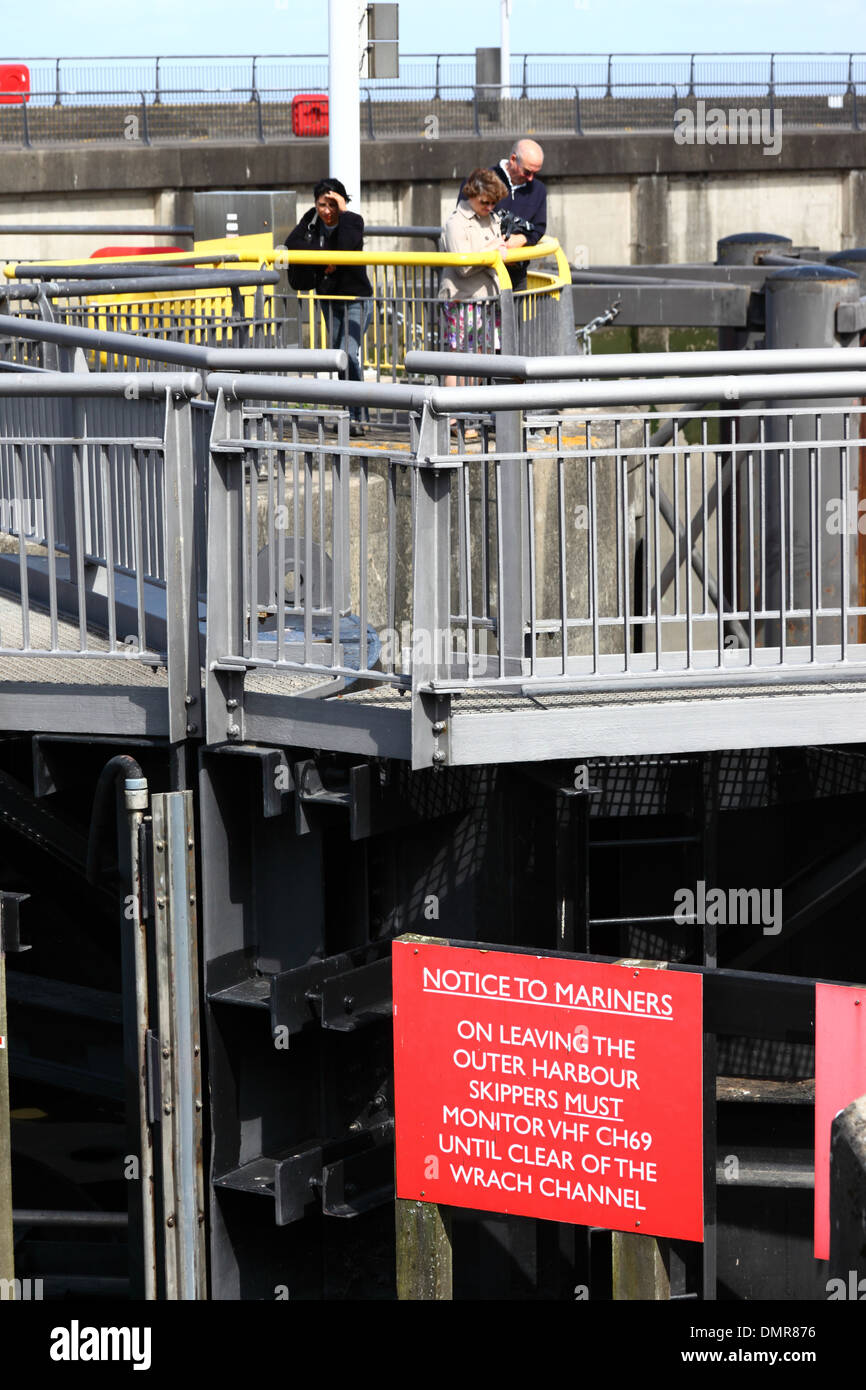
{"points": [[55, 345], [115, 351], [225, 310], [249, 99], [316, 544], [141, 118], [115, 315], [86, 470], [723, 549], [564, 539], [252, 75]]}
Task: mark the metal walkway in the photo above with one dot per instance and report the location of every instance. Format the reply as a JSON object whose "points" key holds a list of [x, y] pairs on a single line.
{"points": [[541, 585]]}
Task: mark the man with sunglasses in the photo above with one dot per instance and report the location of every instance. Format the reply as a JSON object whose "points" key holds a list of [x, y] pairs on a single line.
{"points": [[526, 201]]}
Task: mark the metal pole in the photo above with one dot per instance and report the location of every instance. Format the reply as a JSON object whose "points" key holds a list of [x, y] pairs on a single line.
{"points": [[176, 953], [344, 86], [136, 804], [115, 1220], [505, 49], [182, 637], [800, 310], [514, 599], [7, 1248], [742, 248]]}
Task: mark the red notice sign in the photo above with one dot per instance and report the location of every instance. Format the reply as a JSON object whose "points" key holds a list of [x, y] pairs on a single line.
{"points": [[550, 1088], [840, 1077]]}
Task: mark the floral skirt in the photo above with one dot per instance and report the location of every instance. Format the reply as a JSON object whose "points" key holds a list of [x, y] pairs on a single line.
{"points": [[472, 326]]}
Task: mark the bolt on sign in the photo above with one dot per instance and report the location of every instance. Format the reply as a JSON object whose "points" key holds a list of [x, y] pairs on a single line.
{"points": [[547, 1087]]}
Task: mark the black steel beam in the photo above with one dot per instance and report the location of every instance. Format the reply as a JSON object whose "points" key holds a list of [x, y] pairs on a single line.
{"points": [[666, 306]]}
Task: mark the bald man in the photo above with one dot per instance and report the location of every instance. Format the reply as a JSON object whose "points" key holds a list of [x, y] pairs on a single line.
{"points": [[527, 199]]}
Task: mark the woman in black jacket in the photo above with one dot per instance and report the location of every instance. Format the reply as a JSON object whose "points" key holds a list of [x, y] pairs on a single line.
{"points": [[330, 227]]}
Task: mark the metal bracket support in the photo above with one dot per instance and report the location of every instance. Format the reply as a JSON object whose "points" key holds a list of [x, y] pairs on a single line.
{"points": [[231, 686], [355, 797], [343, 992], [10, 923], [278, 783], [430, 737]]}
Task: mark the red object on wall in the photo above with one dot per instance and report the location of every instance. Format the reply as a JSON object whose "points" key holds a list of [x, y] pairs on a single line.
{"points": [[310, 114], [540, 1086], [115, 251], [840, 1077], [14, 83]]}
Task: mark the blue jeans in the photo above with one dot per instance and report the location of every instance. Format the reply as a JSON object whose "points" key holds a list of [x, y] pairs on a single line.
{"points": [[347, 324]]}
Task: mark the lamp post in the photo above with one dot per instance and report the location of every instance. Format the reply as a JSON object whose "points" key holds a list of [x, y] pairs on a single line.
{"points": [[344, 89], [505, 48]]}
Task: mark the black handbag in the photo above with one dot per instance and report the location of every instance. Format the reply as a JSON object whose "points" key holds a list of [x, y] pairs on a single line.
{"points": [[304, 277]]}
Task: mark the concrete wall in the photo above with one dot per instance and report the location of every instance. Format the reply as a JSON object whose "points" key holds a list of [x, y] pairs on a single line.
{"points": [[624, 198], [140, 206]]}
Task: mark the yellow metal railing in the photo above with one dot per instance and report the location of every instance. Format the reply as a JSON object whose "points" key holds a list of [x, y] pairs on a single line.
{"points": [[403, 308], [405, 298], [190, 315], [499, 261]]}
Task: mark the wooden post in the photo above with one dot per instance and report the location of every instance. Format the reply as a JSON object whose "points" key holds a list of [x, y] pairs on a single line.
{"points": [[639, 1270], [7, 1249], [424, 1270], [423, 1251]]}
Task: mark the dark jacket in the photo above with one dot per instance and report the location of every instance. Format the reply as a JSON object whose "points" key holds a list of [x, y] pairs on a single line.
{"points": [[526, 200], [311, 234]]}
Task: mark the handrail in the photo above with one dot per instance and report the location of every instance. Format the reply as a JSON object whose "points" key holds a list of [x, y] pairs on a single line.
{"points": [[103, 269], [164, 286], [12, 269], [282, 258], [183, 354], [497, 260], [446, 400], [112, 384], [618, 364]]}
